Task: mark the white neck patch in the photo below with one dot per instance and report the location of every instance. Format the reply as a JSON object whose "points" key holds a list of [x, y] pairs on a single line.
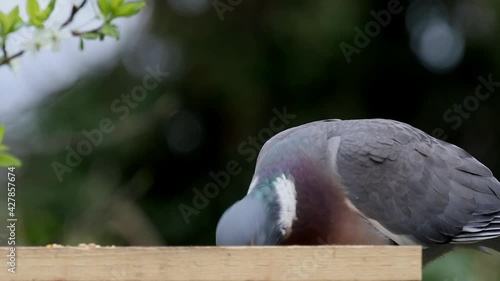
{"points": [[287, 198]]}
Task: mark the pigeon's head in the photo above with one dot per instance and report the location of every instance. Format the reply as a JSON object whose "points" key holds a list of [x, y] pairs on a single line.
{"points": [[263, 217]]}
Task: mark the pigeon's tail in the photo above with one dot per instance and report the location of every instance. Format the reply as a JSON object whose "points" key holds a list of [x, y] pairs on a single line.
{"points": [[489, 245]]}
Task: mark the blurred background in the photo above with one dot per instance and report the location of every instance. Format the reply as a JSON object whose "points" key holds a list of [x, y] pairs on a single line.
{"points": [[118, 141]]}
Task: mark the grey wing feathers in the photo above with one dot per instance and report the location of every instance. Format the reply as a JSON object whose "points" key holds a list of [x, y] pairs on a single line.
{"points": [[415, 185], [299, 132]]}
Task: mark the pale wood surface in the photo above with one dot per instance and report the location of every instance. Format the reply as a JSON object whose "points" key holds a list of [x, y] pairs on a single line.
{"points": [[320, 263]]}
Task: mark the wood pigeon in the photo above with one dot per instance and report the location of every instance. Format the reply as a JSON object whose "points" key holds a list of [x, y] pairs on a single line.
{"points": [[355, 182]]}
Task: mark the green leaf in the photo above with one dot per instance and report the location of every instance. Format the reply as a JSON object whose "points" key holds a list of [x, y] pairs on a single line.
{"points": [[33, 8], [38, 17], [90, 35], [18, 24], [111, 31], [2, 132], [104, 7], [43, 16], [116, 3], [36, 22], [10, 22], [129, 9], [81, 44], [4, 21], [7, 160]]}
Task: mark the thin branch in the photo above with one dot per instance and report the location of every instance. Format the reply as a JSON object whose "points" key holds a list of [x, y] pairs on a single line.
{"points": [[4, 50], [74, 10], [80, 33], [6, 59]]}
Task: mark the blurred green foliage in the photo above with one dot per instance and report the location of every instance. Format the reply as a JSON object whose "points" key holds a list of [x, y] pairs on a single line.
{"points": [[6, 159], [225, 79]]}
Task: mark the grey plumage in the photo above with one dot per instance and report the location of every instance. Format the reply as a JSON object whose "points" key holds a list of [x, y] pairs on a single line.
{"points": [[248, 232], [413, 188], [414, 184]]}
